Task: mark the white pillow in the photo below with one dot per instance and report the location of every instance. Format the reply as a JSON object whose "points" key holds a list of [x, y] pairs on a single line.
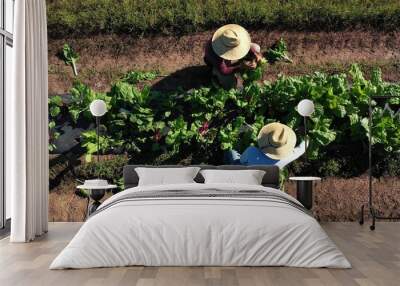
{"points": [[166, 176], [248, 177]]}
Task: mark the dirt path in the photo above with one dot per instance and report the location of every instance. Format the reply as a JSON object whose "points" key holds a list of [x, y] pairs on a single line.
{"points": [[105, 58], [335, 199]]}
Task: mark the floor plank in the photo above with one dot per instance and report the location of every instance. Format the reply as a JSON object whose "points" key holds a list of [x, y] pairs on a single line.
{"points": [[375, 257]]}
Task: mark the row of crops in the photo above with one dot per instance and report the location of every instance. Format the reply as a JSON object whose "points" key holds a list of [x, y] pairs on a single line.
{"points": [[135, 17], [199, 124]]}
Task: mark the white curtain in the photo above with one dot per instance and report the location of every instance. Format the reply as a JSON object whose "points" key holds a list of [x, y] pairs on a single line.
{"points": [[27, 124]]}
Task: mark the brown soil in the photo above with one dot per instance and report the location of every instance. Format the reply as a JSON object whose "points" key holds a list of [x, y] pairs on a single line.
{"points": [[335, 199], [338, 199], [65, 205], [105, 58]]}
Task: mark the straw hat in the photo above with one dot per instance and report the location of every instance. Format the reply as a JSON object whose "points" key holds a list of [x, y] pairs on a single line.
{"points": [[231, 42], [276, 140]]}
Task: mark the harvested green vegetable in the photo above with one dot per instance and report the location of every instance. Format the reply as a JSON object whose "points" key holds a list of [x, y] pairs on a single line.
{"points": [[278, 52], [70, 57]]}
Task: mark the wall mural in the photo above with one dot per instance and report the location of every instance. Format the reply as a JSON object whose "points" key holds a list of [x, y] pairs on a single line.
{"points": [[165, 105]]}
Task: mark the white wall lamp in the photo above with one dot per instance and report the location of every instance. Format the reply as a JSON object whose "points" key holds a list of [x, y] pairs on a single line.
{"points": [[305, 108], [98, 108], [96, 187]]}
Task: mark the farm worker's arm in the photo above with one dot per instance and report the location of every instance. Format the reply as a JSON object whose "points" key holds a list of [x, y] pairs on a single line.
{"points": [[297, 152], [226, 69], [256, 50]]}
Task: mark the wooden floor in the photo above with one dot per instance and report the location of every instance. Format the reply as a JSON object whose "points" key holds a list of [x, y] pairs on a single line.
{"points": [[375, 257]]}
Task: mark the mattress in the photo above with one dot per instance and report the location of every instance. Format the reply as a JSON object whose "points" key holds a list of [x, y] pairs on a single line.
{"points": [[201, 225]]}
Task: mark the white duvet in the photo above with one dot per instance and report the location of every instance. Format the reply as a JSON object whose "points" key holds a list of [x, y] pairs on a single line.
{"points": [[200, 231]]}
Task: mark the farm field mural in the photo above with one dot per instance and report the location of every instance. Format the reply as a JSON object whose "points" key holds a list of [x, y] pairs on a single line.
{"points": [[145, 60]]}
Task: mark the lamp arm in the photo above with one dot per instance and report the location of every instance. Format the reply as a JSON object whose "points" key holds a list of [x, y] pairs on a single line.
{"points": [[305, 139], [98, 137]]}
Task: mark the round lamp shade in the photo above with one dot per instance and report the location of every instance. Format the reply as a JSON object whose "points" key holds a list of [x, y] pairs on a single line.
{"points": [[305, 107], [98, 107]]}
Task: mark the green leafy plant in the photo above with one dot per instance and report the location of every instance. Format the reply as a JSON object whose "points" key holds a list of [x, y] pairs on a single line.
{"points": [[109, 169], [81, 97], [330, 168], [134, 77], [89, 141], [278, 52], [136, 17], [70, 57], [201, 123], [55, 105], [142, 122], [256, 74]]}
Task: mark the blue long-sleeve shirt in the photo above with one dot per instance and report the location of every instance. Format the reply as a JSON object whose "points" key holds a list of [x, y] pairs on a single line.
{"points": [[254, 156]]}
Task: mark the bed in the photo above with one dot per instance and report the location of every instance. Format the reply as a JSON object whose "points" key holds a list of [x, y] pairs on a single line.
{"points": [[201, 224]]}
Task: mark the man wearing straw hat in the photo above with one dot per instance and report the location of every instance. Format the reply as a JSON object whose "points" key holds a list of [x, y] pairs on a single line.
{"points": [[229, 52], [276, 143]]}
